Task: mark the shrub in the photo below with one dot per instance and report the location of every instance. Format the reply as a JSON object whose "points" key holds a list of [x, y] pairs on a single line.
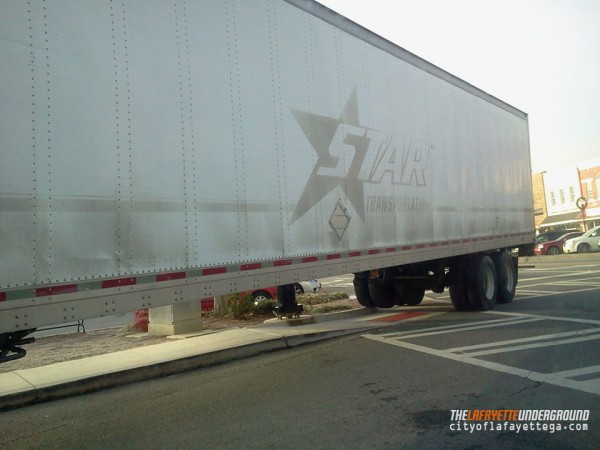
{"points": [[264, 308], [240, 305]]}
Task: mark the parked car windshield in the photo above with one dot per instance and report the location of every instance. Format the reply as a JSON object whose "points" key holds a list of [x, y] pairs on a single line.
{"points": [[591, 233]]}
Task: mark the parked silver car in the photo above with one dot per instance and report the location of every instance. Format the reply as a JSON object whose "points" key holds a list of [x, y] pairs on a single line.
{"points": [[587, 242]]}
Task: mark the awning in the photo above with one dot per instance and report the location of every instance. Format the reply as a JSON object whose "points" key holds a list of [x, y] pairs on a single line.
{"points": [[562, 219]]}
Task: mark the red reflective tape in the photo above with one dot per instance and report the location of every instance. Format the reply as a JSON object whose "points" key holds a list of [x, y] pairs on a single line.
{"points": [[170, 276], [54, 290], [251, 266], [405, 247], [214, 270], [207, 303], [282, 262], [335, 256], [420, 246], [2, 296], [445, 243], [308, 259], [118, 282], [433, 245], [373, 252], [351, 254], [390, 249]]}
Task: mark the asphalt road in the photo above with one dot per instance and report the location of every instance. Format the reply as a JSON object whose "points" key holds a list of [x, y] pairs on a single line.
{"points": [[395, 388]]}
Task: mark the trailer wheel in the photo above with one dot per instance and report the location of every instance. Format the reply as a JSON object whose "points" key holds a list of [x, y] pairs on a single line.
{"points": [[481, 283], [410, 295], [506, 276], [382, 293], [458, 296], [361, 289]]}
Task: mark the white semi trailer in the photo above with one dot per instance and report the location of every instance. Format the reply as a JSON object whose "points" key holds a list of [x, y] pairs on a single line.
{"points": [[155, 152]]}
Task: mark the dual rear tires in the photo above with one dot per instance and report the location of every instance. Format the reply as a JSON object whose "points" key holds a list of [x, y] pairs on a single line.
{"points": [[382, 293], [478, 283], [484, 281]]}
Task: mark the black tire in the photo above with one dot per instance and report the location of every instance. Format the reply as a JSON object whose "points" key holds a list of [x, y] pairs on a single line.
{"points": [[361, 289], [382, 293], [298, 288], [482, 286], [458, 296], [458, 287], [553, 251], [583, 248], [410, 295], [506, 277]]}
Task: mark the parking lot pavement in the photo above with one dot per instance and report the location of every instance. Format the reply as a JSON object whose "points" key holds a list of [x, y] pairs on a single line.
{"points": [[516, 344]]}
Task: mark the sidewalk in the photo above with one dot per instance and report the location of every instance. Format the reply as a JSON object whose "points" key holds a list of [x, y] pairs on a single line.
{"points": [[28, 386]]}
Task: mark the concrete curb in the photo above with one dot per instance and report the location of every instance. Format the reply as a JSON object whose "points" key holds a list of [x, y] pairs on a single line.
{"points": [[26, 393]]}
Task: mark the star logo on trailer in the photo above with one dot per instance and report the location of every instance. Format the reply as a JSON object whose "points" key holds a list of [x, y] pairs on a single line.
{"points": [[350, 155], [328, 171]]}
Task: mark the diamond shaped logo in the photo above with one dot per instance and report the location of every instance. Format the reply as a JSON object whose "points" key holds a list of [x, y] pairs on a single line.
{"points": [[339, 220]]}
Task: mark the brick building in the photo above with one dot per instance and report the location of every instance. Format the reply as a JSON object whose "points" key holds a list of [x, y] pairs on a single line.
{"points": [[589, 176], [555, 195], [539, 199]]}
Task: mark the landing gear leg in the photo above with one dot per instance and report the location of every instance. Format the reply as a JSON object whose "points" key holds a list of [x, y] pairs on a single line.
{"points": [[10, 345], [287, 306]]}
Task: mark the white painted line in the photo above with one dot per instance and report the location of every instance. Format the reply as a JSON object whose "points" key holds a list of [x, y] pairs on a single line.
{"points": [[554, 277], [544, 337], [578, 283], [515, 348], [448, 327], [535, 293], [571, 291], [562, 269], [577, 372], [592, 386], [559, 319], [377, 316], [468, 328]]}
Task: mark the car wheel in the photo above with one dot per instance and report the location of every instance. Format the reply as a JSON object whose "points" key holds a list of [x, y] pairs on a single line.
{"points": [[583, 248], [261, 296], [298, 288], [553, 251]]}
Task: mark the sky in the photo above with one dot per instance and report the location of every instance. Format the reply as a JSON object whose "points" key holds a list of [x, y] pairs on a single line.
{"points": [[540, 56]]}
